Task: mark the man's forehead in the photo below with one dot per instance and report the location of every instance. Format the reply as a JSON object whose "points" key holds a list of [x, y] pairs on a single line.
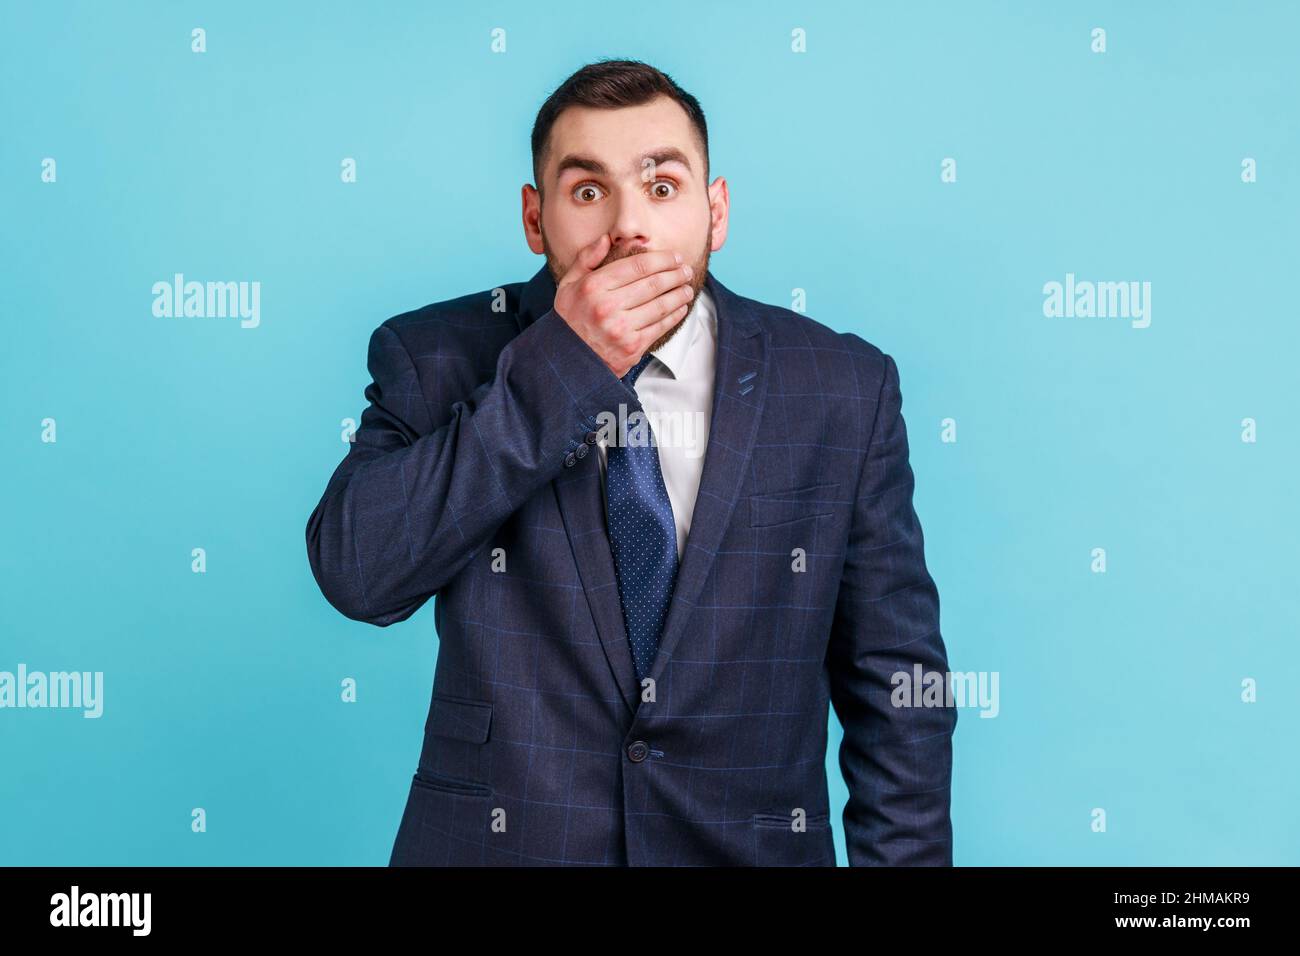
{"points": [[587, 161], [588, 139]]}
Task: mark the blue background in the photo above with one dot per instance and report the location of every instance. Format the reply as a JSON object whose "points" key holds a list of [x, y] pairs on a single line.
{"points": [[222, 690]]}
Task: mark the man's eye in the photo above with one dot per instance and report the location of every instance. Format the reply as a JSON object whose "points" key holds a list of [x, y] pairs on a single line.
{"points": [[588, 192]]}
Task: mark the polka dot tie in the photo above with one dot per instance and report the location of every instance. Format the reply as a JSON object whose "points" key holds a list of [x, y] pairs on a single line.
{"points": [[642, 535]]}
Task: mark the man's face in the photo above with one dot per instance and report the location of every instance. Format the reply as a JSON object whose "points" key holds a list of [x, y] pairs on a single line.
{"points": [[635, 173]]}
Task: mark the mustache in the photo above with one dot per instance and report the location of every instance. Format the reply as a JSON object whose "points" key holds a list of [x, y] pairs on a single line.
{"points": [[615, 254]]}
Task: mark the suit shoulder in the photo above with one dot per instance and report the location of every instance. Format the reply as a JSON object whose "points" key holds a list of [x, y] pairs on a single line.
{"points": [[469, 315], [795, 330]]}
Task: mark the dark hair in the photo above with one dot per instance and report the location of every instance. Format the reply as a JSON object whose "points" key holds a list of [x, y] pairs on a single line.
{"points": [[610, 84]]}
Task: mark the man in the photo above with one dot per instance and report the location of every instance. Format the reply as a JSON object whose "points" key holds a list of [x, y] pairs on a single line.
{"points": [[639, 643]]}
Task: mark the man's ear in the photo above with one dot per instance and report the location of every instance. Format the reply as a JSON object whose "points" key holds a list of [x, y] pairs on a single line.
{"points": [[531, 212], [719, 211]]}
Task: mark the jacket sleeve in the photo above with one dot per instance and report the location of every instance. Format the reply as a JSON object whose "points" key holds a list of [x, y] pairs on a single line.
{"points": [[424, 485], [896, 760]]}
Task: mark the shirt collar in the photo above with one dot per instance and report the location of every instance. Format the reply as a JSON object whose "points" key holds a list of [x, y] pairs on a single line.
{"points": [[673, 353]]}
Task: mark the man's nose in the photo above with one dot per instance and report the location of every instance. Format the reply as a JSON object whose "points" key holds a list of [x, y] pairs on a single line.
{"points": [[627, 231]]}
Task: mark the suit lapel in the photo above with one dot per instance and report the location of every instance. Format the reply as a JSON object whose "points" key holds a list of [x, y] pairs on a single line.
{"points": [[739, 390], [579, 497], [740, 387]]}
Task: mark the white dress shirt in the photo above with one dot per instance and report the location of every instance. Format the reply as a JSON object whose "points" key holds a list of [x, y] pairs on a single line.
{"points": [[677, 386]]}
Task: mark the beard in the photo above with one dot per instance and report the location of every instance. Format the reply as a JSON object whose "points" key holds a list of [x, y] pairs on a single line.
{"points": [[699, 266]]}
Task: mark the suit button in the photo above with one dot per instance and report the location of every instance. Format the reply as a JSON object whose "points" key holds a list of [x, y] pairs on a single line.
{"points": [[637, 751], [570, 460], [581, 451], [592, 438]]}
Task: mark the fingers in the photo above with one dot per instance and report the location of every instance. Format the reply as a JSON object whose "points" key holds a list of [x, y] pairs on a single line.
{"points": [[622, 272], [660, 311], [644, 290]]}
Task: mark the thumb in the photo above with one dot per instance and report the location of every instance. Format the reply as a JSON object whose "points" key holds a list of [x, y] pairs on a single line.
{"points": [[588, 259]]}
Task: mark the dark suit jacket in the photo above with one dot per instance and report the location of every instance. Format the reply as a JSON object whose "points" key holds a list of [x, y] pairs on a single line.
{"points": [[803, 583]]}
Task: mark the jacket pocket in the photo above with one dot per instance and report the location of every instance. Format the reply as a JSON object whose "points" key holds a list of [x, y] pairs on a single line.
{"points": [[442, 784], [778, 821], [780, 507], [459, 719]]}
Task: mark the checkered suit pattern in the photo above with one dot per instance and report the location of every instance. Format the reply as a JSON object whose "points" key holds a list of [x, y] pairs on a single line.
{"points": [[803, 587]]}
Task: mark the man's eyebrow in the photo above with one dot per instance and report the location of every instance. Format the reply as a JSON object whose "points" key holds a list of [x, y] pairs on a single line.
{"points": [[665, 154]]}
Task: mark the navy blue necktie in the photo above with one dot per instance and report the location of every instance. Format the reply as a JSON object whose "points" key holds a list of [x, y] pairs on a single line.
{"points": [[642, 536]]}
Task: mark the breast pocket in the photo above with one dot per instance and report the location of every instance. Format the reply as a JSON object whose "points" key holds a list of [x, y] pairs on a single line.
{"points": [[468, 720], [782, 507]]}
